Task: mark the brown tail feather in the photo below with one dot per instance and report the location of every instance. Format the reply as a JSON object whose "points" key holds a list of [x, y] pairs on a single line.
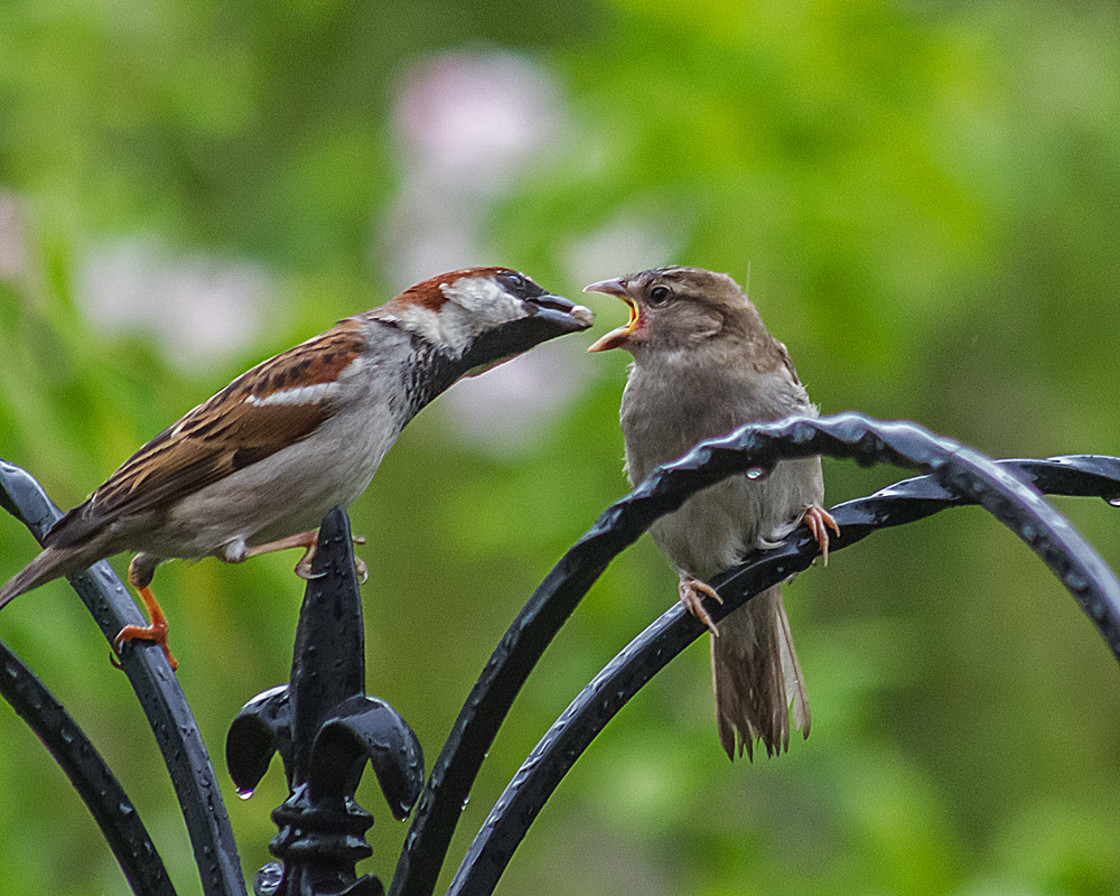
{"points": [[757, 678], [50, 564]]}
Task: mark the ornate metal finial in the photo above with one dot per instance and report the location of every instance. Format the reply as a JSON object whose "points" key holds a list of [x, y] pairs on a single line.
{"points": [[325, 729]]}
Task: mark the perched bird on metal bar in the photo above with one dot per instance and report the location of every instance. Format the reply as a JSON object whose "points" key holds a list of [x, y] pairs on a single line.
{"points": [[257, 466], [704, 364]]}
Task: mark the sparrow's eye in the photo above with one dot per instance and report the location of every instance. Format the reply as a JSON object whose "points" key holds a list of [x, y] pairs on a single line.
{"points": [[659, 295], [514, 281]]}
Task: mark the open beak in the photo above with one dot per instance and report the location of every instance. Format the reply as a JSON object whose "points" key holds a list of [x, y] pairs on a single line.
{"points": [[618, 337]]}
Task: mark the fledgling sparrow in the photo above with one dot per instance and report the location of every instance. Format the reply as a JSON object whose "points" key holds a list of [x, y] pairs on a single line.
{"points": [[255, 468], [704, 364]]}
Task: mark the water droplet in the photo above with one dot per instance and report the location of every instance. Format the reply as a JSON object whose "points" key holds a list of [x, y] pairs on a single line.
{"points": [[1115, 502], [756, 473], [1075, 581], [466, 800], [244, 792]]}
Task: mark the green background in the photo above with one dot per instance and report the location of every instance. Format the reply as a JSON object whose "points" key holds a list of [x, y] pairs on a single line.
{"points": [[926, 199]]}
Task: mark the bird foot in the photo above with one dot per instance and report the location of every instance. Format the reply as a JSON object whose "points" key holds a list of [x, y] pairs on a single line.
{"points": [[303, 568], [819, 522], [156, 630], [360, 564], [308, 540], [692, 593]]}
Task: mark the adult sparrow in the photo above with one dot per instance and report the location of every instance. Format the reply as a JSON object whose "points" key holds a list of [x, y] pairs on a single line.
{"points": [[255, 467], [704, 364]]}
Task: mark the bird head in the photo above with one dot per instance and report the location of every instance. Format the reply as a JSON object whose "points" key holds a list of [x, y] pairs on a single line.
{"points": [[476, 318], [673, 307]]}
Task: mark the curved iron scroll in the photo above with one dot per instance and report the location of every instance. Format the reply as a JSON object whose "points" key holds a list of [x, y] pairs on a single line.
{"points": [[966, 475], [163, 702], [90, 775], [636, 664], [325, 728]]}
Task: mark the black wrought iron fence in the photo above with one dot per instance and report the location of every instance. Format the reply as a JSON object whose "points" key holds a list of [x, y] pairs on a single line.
{"points": [[326, 729]]}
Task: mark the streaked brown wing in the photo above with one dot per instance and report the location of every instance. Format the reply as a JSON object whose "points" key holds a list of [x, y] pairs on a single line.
{"points": [[228, 432], [178, 462]]}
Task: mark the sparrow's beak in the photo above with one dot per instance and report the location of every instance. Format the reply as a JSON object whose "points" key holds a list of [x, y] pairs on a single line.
{"points": [[548, 316], [618, 337], [565, 314]]}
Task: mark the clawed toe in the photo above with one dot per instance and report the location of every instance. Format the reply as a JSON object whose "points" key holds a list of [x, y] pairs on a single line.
{"points": [[156, 630], [303, 568], [692, 593], [819, 522]]}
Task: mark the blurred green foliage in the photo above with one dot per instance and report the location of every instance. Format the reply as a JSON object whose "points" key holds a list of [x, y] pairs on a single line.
{"points": [[926, 197]]}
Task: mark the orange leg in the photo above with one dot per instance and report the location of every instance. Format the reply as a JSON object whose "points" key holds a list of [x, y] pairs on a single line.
{"points": [[819, 522], [155, 631], [692, 591]]}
